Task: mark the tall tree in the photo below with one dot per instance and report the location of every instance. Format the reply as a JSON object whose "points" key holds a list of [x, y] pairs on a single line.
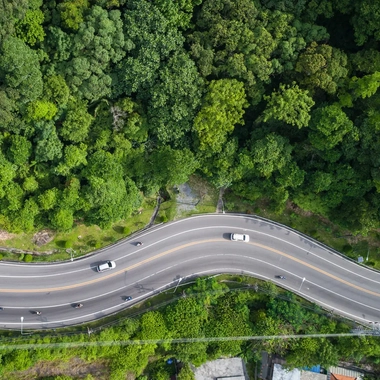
{"points": [[322, 66], [223, 108], [329, 125], [20, 70], [150, 40], [173, 99], [290, 104]]}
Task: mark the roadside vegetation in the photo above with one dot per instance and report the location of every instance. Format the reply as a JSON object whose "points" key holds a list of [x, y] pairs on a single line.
{"points": [[224, 306], [105, 102], [343, 240]]}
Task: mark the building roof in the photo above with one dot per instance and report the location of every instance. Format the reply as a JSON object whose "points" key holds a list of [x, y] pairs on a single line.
{"points": [[280, 373], [220, 369], [341, 377], [340, 373]]}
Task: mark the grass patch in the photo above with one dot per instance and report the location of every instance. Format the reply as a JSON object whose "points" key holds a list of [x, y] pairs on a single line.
{"points": [[81, 239], [167, 211]]}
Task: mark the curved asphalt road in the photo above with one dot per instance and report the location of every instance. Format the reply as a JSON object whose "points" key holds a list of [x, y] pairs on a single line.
{"points": [[199, 245]]}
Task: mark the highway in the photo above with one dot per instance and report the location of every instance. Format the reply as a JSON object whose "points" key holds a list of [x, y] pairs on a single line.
{"points": [[174, 253]]}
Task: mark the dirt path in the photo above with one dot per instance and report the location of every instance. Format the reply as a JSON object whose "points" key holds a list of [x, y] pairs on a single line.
{"points": [[220, 204]]}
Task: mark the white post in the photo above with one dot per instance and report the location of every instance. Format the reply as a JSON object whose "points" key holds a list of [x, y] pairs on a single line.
{"points": [[179, 280], [302, 283], [22, 320]]}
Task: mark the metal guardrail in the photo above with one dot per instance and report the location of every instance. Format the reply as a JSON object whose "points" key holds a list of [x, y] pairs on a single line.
{"points": [[310, 238]]}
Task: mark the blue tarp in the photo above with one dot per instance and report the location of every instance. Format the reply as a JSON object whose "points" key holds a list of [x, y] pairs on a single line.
{"points": [[316, 369]]}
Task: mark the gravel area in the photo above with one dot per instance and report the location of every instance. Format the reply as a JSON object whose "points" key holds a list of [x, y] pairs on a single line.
{"points": [[186, 199]]}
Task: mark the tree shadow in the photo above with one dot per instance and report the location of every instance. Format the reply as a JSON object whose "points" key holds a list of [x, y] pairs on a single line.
{"points": [[118, 229]]}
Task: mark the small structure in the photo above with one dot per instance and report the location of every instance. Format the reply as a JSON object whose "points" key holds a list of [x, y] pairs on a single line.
{"points": [[222, 369], [340, 373], [280, 373]]}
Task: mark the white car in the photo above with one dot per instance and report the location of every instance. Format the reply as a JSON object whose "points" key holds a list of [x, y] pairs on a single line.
{"points": [[106, 265], [240, 237]]}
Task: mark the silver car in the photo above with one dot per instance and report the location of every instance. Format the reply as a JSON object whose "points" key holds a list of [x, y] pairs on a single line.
{"points": [[240, 237], [106, 265]]}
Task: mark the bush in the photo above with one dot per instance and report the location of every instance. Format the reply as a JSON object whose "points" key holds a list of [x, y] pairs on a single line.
{"points": [[126, 230], [1, 256], [68, 244], [93, 243], [21, 256], [347, 249], [28, 258], [164, 217], [314, 234]]}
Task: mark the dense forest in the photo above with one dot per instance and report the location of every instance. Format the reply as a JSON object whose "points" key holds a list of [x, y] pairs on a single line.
{"points": [[208, 309], [105, 101]]}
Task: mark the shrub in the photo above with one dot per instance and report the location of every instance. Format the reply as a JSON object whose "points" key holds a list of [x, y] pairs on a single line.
{"points": [[314, 233], [68, 244], [126, 230], [1, 256], [164, 217], [347, 249], [28, 258], [21, 256]]}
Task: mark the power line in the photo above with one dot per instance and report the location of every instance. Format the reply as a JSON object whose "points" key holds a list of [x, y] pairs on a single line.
{"points": [[182, 340]]}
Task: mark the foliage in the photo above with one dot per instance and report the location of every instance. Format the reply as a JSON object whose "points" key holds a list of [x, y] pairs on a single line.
{"points": [[231, 314], [290, 104], [222, 110], [321, 66], [105, 100], [186, 373], [71, 12], [20, 70], [29, 29]]}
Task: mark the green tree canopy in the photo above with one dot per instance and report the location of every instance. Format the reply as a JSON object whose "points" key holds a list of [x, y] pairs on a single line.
{"points": [[290, 104], [30, 29], [329, 125], [322, 66], [223, 108], [20, 70]]}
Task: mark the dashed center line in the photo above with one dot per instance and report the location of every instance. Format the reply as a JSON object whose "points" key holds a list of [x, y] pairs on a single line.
{"points": [[165, 253]]}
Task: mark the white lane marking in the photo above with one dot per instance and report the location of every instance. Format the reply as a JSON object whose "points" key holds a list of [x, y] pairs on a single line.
{"points": [[215, 270], [285, 283], [208, 227], [268, 235], [194, 230]]}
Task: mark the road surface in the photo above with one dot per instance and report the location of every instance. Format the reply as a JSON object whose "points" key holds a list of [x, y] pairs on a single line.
{"points": [[174, 253]]}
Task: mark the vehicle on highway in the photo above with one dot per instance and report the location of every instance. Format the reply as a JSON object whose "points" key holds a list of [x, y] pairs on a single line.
{"points": [[128, 298], [78, 305], [37, 312], [281, 277], [139, 243], [106, 266], [240, 237]]}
